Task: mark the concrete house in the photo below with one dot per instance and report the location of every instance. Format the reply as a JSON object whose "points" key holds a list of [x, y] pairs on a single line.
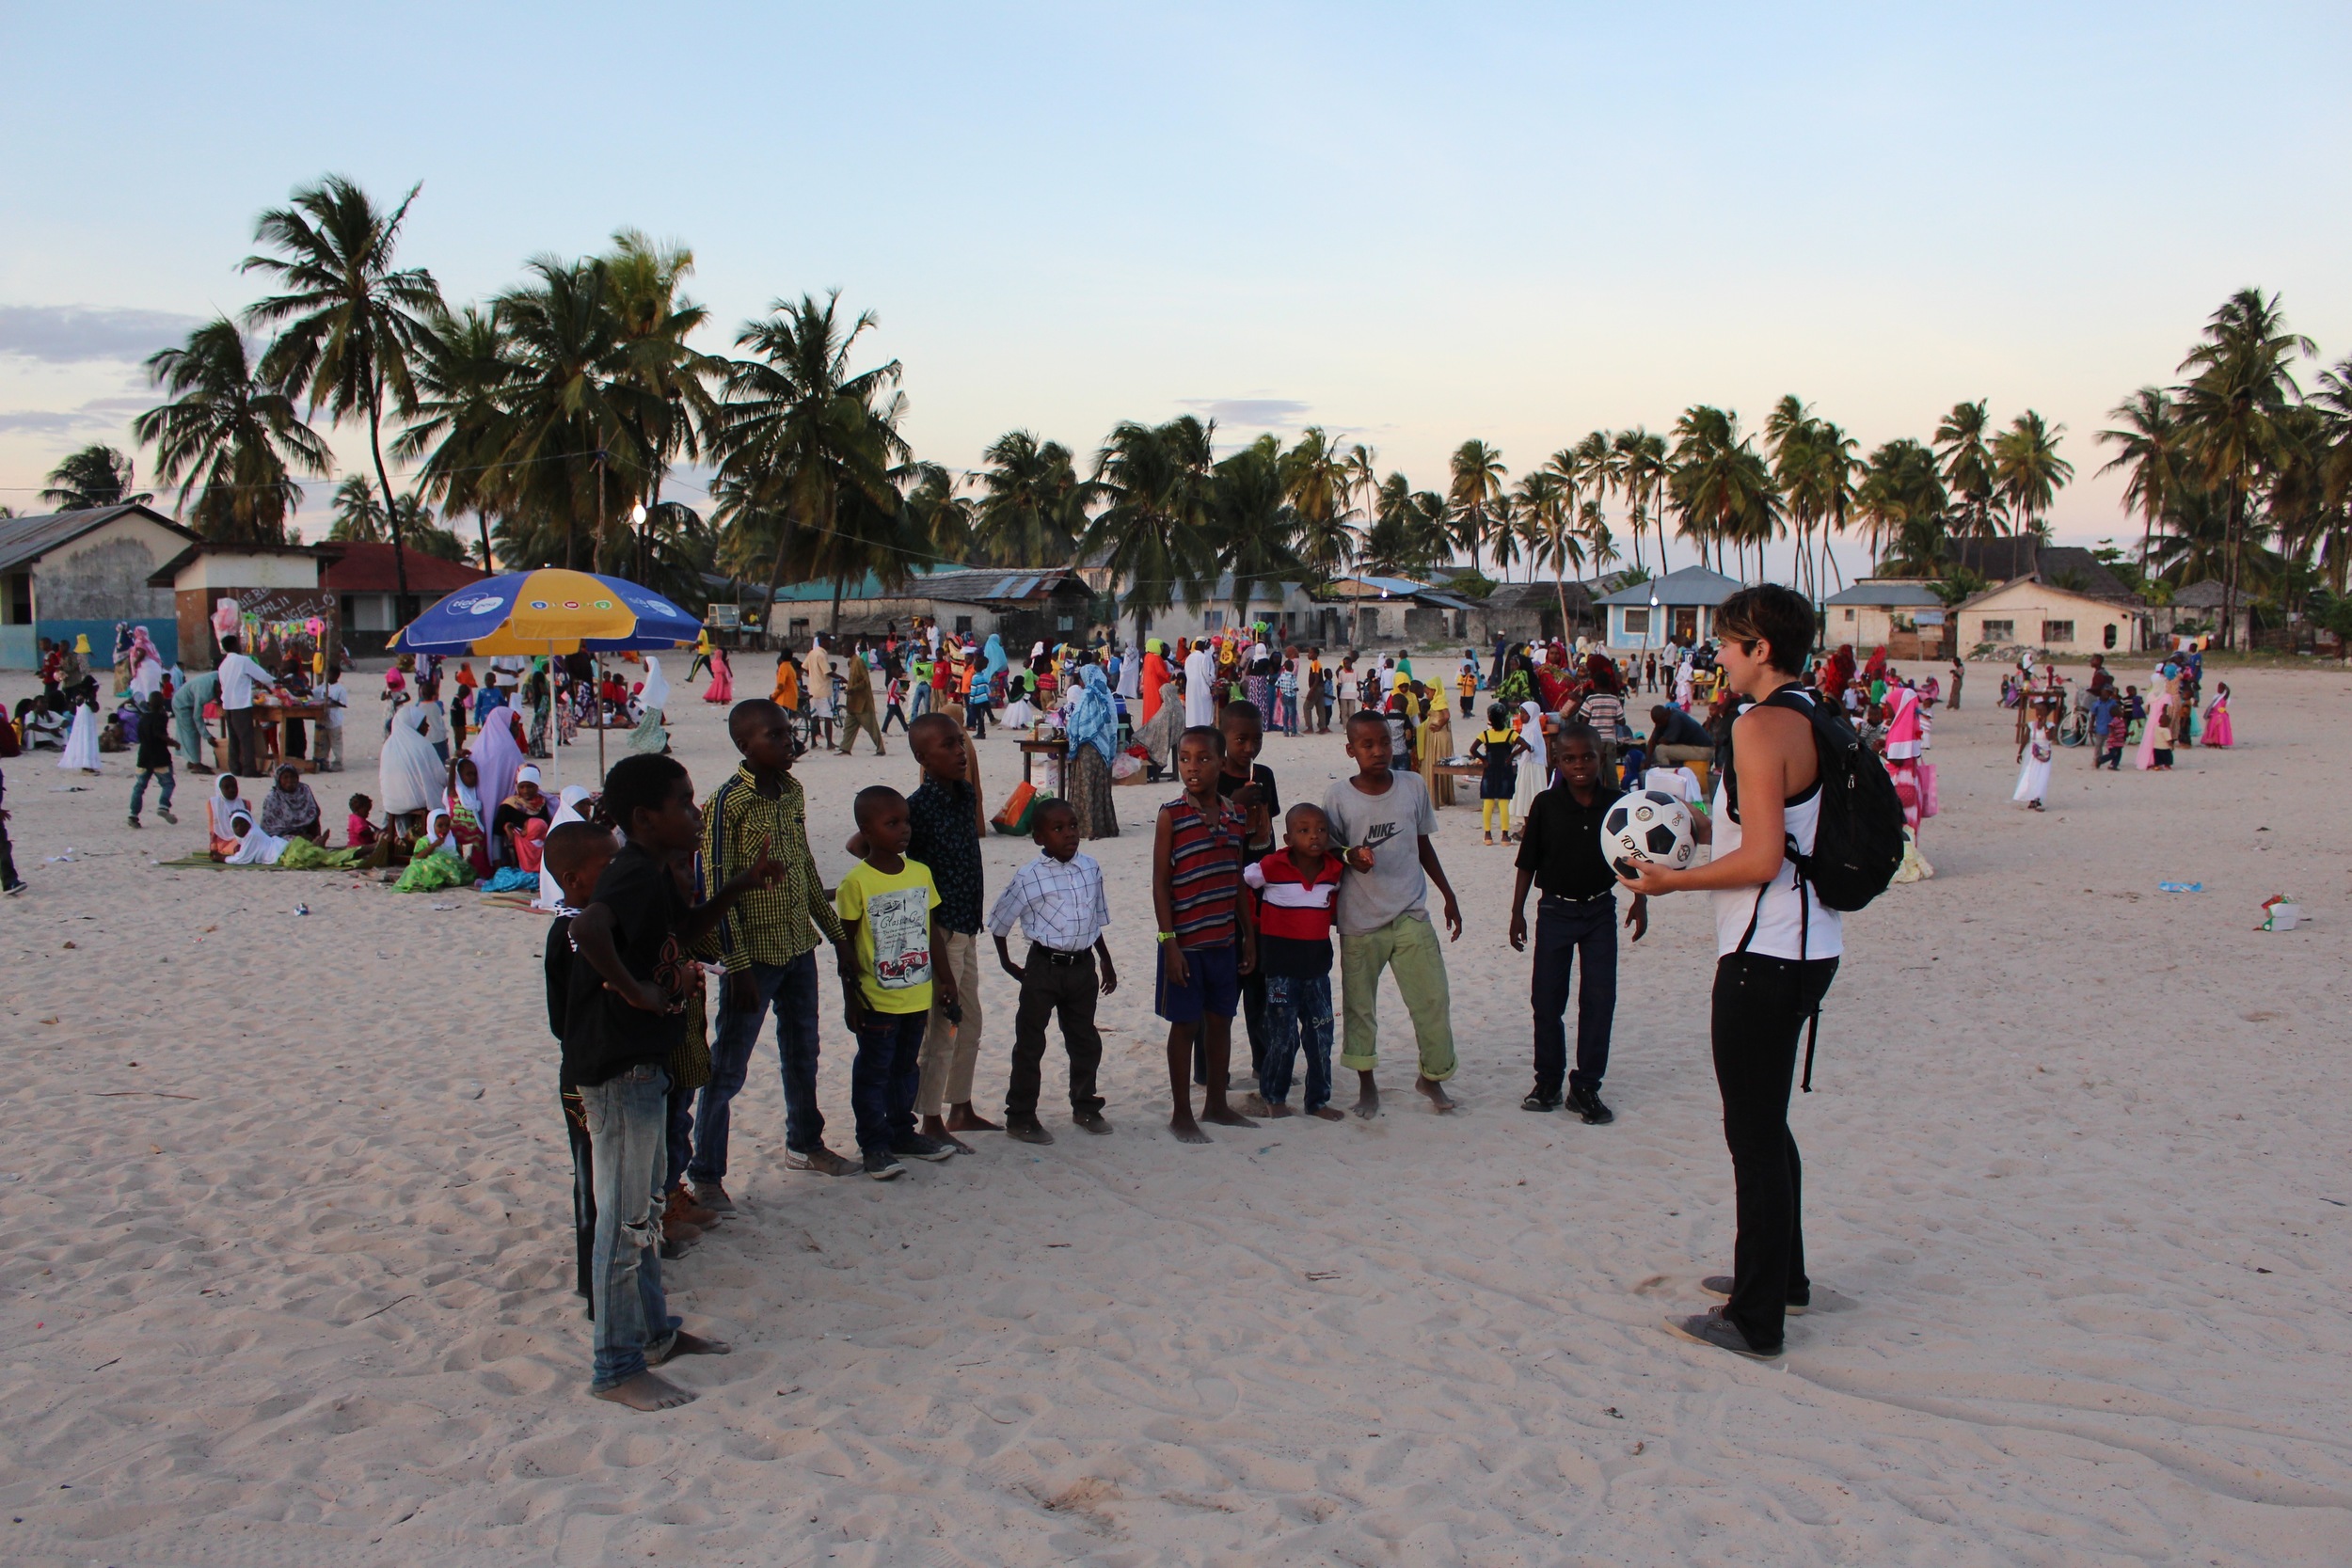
{"points": [[1879, 611], [71, 573], [2028, 613], [276, 587], [1677, 609], [364, 585], [1021, 605]]}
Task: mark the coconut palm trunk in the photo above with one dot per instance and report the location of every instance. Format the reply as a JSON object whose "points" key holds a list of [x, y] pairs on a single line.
{"points": [[403, 610]]}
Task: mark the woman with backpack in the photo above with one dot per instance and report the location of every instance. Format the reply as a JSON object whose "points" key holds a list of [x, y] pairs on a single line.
{"points": [[1799, 780]]}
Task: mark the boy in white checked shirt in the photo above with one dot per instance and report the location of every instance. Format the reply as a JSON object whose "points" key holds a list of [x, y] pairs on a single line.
{"points": [[1058, 900]]}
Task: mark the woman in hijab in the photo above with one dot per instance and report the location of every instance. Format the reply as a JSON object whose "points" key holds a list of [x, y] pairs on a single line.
{"points": [[147, 666], [1093, 737], [1155, 677], [250, 846], [498, 753], [1199, 687], [219, 812], [468, 814], [289, 810], [1436, 744], [648, 736], [721, 687], [81, 742], [409, 776], [1536, 768], [517, 811], [982, 696]]}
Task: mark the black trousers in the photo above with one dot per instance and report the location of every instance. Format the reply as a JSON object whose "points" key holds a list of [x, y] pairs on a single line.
{"points": [[244, 756], [583, 1194], [1566, 930], [1760, 1009], [1047, 988]]}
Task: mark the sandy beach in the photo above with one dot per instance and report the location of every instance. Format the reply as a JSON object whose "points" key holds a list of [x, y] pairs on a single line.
{"points": [[285, 1202]]}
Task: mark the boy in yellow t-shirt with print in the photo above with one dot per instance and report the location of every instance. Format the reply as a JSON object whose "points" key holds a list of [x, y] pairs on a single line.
{"points": [[889, 916]]}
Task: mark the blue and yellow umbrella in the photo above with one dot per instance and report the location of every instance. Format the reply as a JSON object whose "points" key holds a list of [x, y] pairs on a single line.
{"points": [[552, 610]]}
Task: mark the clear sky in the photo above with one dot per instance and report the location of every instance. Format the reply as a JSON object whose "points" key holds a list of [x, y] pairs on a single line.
{"points": [[1410, 224]]}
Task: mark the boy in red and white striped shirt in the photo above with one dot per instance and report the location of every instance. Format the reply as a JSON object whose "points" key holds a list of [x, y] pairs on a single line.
{"points": [[1296, 886]]}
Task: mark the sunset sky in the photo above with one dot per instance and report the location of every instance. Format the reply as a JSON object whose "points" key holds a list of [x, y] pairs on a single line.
{"points": [[1408, 224]]}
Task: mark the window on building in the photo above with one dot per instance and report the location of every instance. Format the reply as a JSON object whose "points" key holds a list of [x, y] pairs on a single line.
{"points": [[1213, 620], [964, 626], [2110, 634], [1066, 622], [1850, 612], [1637, 623], [797, 628], [1999, 632], [2055, 632]]}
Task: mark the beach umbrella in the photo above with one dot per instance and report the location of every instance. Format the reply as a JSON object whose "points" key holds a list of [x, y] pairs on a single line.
{"points": [[552, 610]]}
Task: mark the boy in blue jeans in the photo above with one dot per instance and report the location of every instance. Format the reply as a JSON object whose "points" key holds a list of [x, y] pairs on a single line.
{"points": [[1296, 886], [623, 1018], [889, 912]]}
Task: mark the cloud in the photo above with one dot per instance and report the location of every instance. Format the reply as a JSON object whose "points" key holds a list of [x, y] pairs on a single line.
{"points": [[75, 334], [1252, 413], [98, 414]]}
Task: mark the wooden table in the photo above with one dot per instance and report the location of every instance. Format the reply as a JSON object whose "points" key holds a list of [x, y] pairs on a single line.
{"points": [[1474, 771], [269, 735], [1031, 750]]}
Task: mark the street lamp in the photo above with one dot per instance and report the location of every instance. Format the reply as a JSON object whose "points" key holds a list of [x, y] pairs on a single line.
{"points": [[637, 521]]}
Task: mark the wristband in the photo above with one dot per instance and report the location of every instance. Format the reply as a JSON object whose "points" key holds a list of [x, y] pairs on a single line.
{"points": [[1168, 936]]}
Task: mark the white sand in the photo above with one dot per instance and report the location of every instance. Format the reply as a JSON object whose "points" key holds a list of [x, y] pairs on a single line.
{"points": [[295, 1289]]}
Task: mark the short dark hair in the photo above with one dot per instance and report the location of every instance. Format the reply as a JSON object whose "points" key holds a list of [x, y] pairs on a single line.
{"points": [[1576, 729], [229, 643], [1210, 732], [1780, 617], [570, 846], [1304, 808], [1052, 805], [872, 798], [1240, 711], [638, 783], [931, 721], [1366, 716], [360, 803], [748, 709]]}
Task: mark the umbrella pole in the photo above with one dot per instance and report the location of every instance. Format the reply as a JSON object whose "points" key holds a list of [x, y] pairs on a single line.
{"points": [[595, 663], [555, 728]]}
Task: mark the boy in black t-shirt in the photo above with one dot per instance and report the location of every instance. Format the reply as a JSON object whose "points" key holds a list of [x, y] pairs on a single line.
{"points": [[154, 758], [625, 1014], [576, 856], [1560, 852]]}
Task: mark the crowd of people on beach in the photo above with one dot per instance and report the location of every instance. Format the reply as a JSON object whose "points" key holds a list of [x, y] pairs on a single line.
{"points": [[1254, 905]]}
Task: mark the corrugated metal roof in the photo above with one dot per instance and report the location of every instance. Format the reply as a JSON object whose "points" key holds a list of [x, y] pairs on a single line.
{"points": [[24, 539], [1689, 585], [1884, 595]]}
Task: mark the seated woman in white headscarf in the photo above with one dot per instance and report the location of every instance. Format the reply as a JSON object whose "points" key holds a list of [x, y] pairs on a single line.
{"points": [[253, 846], [523, 806], [219, 812], [409, 776]]}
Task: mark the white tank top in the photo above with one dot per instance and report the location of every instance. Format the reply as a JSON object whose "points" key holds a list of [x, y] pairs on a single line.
{"points": [[1781, 919]]}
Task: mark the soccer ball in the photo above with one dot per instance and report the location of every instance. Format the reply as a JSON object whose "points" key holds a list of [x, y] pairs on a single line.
{"points": [[1649, 825]]}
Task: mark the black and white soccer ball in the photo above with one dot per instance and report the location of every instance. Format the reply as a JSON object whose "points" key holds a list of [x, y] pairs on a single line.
{"points": [[1648, 825]]}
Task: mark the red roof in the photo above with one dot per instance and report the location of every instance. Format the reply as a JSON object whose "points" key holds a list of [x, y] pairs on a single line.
{"points": [[368, 569]]}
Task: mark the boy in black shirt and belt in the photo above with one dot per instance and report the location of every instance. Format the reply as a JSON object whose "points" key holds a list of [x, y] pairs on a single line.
{"points": [[626, 1014], [1560, 852]]}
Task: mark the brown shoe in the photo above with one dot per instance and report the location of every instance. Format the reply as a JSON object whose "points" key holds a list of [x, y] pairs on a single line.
{"points": [[676, 1233], [684, 1209]]}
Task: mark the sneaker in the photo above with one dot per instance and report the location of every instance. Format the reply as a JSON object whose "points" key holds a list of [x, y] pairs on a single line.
{"points": [[823, 1161], [1540, 1101], [882, 1165], [132, 820], [916, 1147], [1712, 1327], [677, 1205], [16, 886], [1026, 1130], [713, 1196], [1586, 1103], [165, 811], [1719, 1286]]}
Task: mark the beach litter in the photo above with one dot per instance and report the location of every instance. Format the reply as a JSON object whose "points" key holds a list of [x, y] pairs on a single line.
{"points": [[2180, 887], [2281, 913]]}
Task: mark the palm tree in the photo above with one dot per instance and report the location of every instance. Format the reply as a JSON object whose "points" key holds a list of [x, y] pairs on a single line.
{"points": [[2334, 402], [1968, 464], [232, 438], [1788, 434], [1032, 505], [802, 435], [461, 372], [941, 516], [1720, 485], [675, 409], [1595, 470], [1837, 473], [1252, 521], [1473, 487], [95, 476], [1317, 481], [346, 318], [1640, 467], [358, 514], [1409, 531], [1153, 534], [1903, 498], [2030, 471], [2148, 444], [2239, 384], [1547, 506]]}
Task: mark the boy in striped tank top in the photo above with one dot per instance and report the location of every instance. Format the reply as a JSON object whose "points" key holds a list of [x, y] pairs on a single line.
{"points": [[1208, 935]]}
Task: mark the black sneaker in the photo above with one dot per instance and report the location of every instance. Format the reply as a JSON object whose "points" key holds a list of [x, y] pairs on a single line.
{"points": [[1026, 1130], [882, 1165], [1540, 1101], [916, 1147], [1586, 1103], [1712, 1327], [1719, 1285]]}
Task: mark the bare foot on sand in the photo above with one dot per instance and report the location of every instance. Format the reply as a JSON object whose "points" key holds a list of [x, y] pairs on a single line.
{"points": [[683, 1343], [1324, 1113], [1274, 1113], [1186, 1130], [1253, 1103], [1225, 1115], [963, 1118], [1368, 1103], [1434, 1093], [934, 1128], [646, 1391]]}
